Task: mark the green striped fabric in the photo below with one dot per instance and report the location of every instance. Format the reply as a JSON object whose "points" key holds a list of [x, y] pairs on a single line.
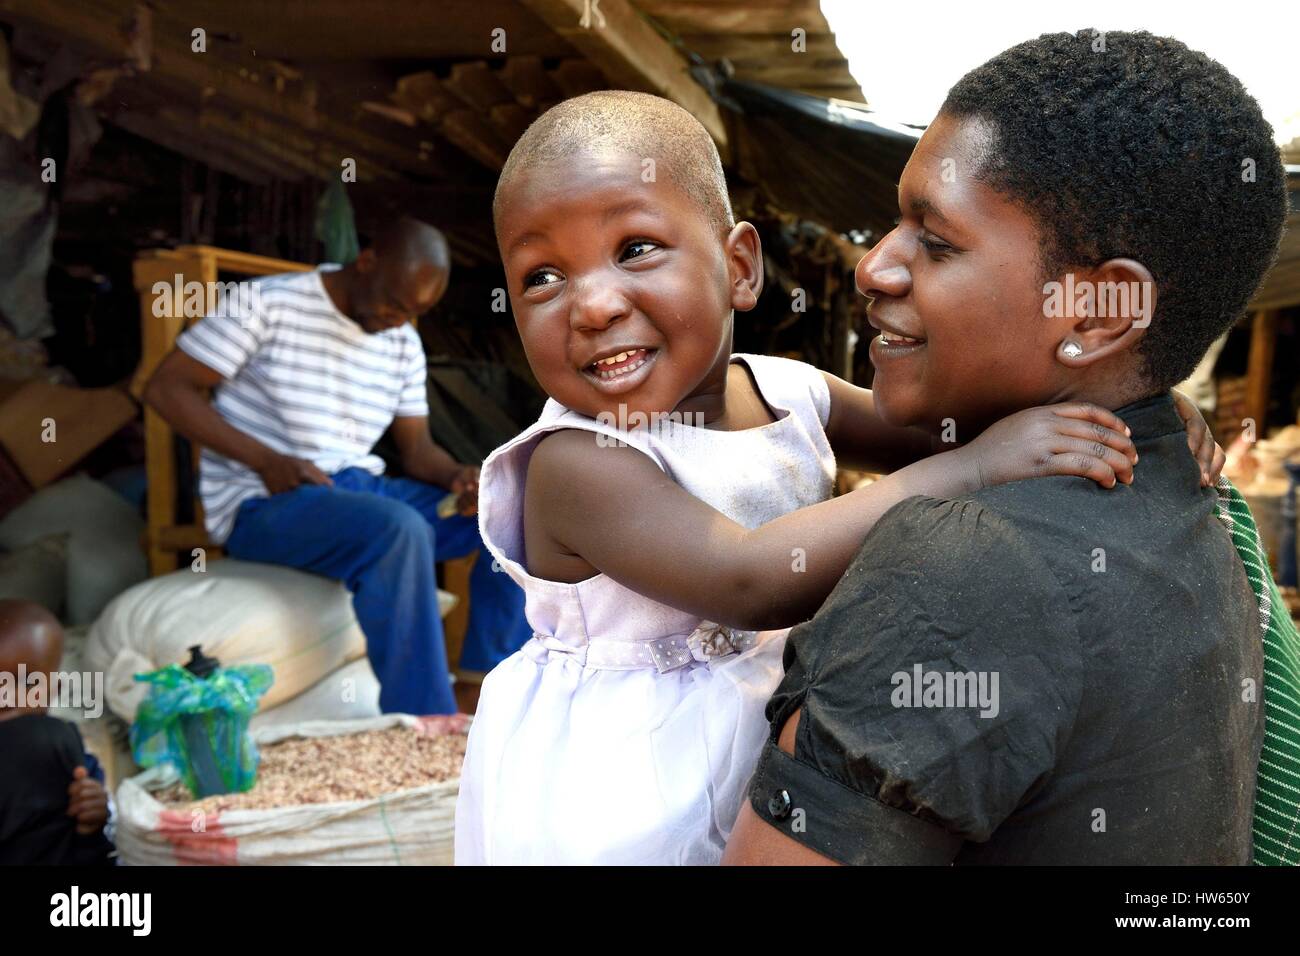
{"points": [[1277, 785]]}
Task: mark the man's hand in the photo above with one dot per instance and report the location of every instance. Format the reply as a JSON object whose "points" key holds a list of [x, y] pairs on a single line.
{"points": [[464, 484], [283, 473], [88, 802], [424, 460]]}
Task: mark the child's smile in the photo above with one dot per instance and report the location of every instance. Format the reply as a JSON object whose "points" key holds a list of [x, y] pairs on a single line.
{"points": [[621, 371]]}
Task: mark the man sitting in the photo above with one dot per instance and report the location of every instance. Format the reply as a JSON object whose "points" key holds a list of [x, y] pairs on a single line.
{"points": [[307, 372]]}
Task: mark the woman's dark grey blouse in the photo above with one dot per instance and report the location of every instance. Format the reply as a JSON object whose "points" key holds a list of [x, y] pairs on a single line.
{"points": [[1042, 672]]}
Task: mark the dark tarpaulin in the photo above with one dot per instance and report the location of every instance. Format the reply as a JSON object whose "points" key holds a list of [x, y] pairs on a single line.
{"points": [[830, 161]]}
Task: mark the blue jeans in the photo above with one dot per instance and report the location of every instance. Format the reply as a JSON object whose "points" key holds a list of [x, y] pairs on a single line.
{"points": [[380, 536]]}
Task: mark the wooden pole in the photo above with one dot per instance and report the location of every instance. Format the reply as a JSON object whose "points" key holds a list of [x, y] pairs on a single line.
{"points": [[1259, 371]]}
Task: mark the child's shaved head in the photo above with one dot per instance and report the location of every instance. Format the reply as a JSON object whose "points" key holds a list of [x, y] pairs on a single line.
{"points": [[29, 636], [637, 123]]}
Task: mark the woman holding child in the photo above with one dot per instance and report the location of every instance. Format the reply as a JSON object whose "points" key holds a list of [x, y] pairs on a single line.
{"points": [[627, 729]]}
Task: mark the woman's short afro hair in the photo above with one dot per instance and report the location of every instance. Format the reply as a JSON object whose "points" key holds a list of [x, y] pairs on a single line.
{"points": [[1131, 145]]}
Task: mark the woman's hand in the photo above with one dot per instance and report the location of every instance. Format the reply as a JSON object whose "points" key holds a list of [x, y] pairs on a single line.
{"points": [[1209, 456], [1072, 438]]}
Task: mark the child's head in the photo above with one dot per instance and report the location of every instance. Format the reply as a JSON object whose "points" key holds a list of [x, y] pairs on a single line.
{"points": [[617, 235], [30, 636], [1084, 160]]}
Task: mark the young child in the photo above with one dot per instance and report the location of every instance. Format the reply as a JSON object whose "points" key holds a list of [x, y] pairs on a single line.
{"points": [[625, 731], [51, 810]]}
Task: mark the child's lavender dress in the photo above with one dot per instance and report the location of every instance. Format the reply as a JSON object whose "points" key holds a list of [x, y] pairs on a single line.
{"points": [[626, 731]]}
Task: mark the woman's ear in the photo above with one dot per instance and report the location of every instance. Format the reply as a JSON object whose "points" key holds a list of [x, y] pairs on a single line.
{"points": [[1107, 310], [744, 266]]}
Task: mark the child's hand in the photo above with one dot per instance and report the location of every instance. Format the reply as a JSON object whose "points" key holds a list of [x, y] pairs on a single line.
{"points": [[1072, 438], [1209, 456], [88, 802]]}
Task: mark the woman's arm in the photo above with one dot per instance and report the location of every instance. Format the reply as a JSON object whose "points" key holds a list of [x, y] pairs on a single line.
{"points": [[610, 509]]}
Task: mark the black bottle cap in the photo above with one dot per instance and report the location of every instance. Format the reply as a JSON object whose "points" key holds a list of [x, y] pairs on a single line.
{"points": [[200, 665]]}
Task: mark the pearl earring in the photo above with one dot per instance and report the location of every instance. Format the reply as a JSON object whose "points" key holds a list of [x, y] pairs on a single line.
{"points": [[1072, 349]]}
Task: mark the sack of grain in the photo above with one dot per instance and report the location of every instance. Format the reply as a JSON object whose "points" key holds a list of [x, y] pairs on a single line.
{"points": [[349, 693], [302, 625], [241, 612], [332, 792]]}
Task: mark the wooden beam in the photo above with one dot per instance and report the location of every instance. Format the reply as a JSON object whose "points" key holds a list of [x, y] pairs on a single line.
{"points": [[323, 144], [167, 132], [527, 79], [619, 40], [477, 84], [288, 154], [99, 27], [345, 139], [476, 136], [752, 16], [295, 119], [575, 77], [1259, 368], [424, 95], [181, 537], [216, 77], [312, 31], [770, 47], [389, 112], [510, 120], [108, 29], [458, 109]]}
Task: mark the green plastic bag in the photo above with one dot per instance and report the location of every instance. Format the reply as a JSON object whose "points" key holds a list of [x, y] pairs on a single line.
{"points": [[200, 725]]}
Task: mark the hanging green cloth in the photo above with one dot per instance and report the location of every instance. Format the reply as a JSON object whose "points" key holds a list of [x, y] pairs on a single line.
{"points": [[335, 227]]}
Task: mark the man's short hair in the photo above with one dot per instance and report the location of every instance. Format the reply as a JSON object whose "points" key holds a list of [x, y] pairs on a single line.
{"points": [[1131, 145], [640, 124]]}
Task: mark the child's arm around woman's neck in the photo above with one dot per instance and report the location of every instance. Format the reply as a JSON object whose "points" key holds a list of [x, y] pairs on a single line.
{"points": [[592, 508]]}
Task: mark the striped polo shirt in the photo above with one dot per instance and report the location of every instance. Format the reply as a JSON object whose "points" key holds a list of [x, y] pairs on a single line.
{"points": [[302, 378]]}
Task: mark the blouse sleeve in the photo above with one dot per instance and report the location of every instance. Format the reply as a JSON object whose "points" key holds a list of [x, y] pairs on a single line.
{"points": [[937, 685]]}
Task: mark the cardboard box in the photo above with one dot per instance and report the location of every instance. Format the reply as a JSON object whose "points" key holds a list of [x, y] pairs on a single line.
{"points": [[47, 429]]}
